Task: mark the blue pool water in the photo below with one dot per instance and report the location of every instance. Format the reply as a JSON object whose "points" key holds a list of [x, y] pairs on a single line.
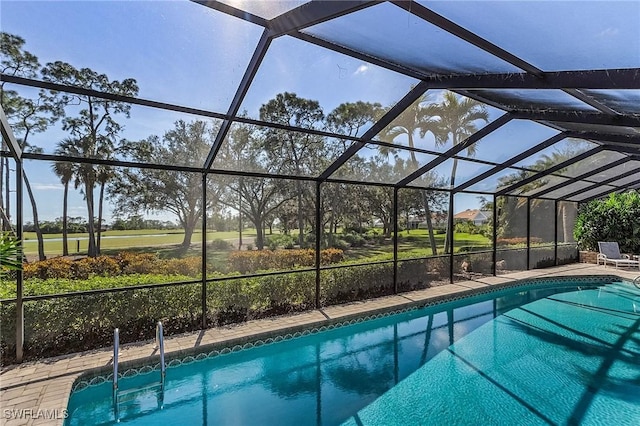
{"points": [[537, 355]]}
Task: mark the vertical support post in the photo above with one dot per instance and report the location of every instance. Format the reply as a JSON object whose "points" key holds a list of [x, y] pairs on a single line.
{"points": [[555, 232], [318, 242], [395, 240], [203, 294], [528, 234], [450, 235], [19, 273], [495, 235], [240, 185]]}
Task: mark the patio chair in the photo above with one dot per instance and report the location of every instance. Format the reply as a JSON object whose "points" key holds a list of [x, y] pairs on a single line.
{"points": [[610, 253]]}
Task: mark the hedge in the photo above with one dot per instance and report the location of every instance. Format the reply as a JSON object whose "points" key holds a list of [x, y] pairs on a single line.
{"points": [[256, 260], [76, 323]]}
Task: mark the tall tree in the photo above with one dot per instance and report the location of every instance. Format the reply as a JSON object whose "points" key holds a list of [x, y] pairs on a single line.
{"points": [[26, 116], [64, 171], [104, 175], [458, 120], [256, 199], [420, 118], [351, 119], [301, 154], [138, 190], [14, 60], [93, 126]]}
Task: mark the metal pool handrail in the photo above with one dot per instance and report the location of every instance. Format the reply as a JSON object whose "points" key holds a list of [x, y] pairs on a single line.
{"points": [[636, 281], [116, 349], [160, 345]]}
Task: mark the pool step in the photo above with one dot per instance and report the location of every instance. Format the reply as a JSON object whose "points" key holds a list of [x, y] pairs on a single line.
{"points": [[128, 395]]}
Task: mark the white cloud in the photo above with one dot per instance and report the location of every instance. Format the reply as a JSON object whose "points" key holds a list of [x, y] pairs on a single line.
{"points": [[47, 186], [609, 32], [361, 69]]}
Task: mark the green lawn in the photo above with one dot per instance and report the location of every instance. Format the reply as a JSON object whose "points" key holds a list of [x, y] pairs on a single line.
{"points": [[414, 243], [144, 239]]}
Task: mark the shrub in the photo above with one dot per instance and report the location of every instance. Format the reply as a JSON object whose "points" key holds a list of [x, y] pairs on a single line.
{"points": [[339, 244], [517, 241], [105, 266], [222, 245], [276, 241], [355, 240], [356, 282], [252, 261], [616, 218]]}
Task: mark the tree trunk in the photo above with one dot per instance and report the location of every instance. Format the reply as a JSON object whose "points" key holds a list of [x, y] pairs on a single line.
{"points": [[432, 238], [566, 232], [300, 217], [454, 169], [407, 222], [189, 228], [65, 202], [36, 223], [99, 233], [259, 234], [91, 229], [427, 210]]}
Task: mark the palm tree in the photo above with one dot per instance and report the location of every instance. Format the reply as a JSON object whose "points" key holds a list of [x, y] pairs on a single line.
{"points": [[458, 117], [104, 174], [419, 117], [84, 175], [64, 171]]}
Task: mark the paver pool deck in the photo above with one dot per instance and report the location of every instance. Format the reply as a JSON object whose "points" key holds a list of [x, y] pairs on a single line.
{"points": [[33, 392]]}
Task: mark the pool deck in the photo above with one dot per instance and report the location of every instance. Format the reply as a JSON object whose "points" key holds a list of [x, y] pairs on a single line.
{"points": [[33, 392]]}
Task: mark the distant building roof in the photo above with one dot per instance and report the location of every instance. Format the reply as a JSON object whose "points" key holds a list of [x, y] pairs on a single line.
{"points": [[472, 215]]}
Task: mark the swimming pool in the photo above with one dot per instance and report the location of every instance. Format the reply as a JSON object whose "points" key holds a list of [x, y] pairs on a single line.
{"points": [[542, 354]]}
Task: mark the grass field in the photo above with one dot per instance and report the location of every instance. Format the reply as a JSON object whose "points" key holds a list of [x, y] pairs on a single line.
{"points": [[414, 243], [123, 240]]}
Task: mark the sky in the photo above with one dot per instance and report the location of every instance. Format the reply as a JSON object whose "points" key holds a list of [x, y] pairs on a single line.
{"points": [[183, 53]]}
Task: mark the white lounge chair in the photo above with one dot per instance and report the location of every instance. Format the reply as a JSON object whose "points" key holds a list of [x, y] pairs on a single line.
{"points": [[610, 253]]}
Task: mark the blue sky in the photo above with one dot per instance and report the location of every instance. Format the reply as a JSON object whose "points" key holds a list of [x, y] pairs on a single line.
{"points": [[183, 53]]}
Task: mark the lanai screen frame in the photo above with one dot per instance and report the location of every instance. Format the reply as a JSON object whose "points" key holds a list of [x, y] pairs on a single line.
{"points": [[292, 23]]}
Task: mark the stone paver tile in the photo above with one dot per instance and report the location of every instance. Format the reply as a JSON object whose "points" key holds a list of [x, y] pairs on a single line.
{"points": [[14, 422]]}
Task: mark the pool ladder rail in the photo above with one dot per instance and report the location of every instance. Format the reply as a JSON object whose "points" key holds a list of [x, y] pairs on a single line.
{"points": [[636, 281], [117, 394]]}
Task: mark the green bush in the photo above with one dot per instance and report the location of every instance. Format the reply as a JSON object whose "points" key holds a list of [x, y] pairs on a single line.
{"points": [[356, 282], [262, 260], [616, 218], [78, 323], [221, 245], [124, 263], [279, 241]]}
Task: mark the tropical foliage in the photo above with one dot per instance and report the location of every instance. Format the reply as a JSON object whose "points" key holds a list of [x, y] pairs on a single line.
{"points": [[10, 253], [616, 218]]}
